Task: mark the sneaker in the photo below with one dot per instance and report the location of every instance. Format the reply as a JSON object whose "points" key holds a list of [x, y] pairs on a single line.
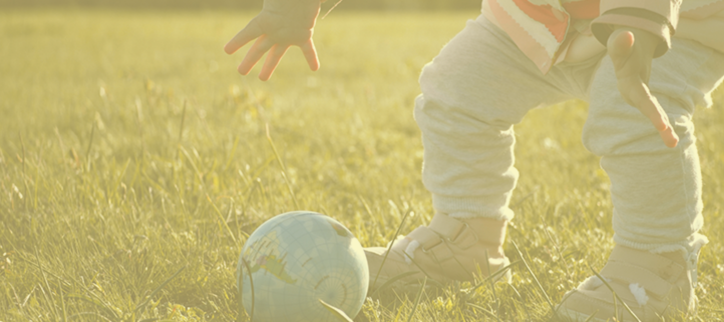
{"points": [[448, 249], [655, 287]]}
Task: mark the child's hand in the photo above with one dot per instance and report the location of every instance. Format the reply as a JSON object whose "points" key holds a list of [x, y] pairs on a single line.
{"points": [[280, 24], [632, 51]]}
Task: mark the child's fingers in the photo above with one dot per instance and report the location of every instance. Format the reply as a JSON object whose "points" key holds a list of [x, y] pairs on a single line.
{"points": [[642, 99], [649, 106], [632, 76], [660, 120], [272, 61], [310, 53], [669, 136], [251, 31], [260, 47], [620, 44]]}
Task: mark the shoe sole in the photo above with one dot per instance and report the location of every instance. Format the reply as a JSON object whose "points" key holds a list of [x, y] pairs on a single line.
{"points": [[405, 283]]}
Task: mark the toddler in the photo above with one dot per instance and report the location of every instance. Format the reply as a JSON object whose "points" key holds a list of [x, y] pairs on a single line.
{"points": [[642, 64]]}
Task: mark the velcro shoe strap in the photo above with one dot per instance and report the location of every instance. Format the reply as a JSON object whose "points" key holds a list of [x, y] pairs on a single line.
{"points": [[630, 274], [454, 231], [431, 244], [427, 238], [656, 264]]}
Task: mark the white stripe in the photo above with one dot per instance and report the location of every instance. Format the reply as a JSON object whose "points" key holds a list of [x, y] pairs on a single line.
{"points": [[535, 29]]}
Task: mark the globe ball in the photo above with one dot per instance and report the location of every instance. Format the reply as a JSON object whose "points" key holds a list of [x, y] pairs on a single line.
{"points": [[294, 260]]}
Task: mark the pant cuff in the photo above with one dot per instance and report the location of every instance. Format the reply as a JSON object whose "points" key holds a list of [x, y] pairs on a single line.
{"points": [[471, 207], [687, 246]]}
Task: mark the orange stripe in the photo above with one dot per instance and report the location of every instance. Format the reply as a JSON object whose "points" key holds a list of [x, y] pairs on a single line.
{"points": [[525, 42], [545, 15]]}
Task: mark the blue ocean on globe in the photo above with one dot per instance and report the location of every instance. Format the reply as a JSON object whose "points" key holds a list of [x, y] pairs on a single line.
{"points": [[297, 259]]}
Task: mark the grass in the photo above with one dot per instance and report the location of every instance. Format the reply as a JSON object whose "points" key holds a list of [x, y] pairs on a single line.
{"points": [[134, 162]]}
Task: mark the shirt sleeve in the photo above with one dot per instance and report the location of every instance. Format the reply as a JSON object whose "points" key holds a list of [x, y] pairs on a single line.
{"points": [[658, 17]]}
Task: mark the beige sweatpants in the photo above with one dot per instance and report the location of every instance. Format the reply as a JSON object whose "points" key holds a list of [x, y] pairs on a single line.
{"points": [[480, 85]]}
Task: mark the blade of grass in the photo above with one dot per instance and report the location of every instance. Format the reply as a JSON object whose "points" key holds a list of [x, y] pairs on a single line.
{"points": [[365, 205], [484, 310], [168, 280], [471, 275], [17, 298], [183, 118], [535, 278], [62, 149], [232, 153], [556, 246], [339, 314], [417, 299], [281, 164], [492, 286], [525, 305], [616, 297], [590, 317], [25, 178], [412, 260], [27, 297], [394, 238], [100, 305], [22, 256], [251, 284], [90, 142], [62, 301], [492, 276], [47, 285], [36, 184], [221, 219]]}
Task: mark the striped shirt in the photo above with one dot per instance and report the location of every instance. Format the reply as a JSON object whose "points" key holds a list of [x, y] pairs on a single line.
{"points": [[542, 29]]}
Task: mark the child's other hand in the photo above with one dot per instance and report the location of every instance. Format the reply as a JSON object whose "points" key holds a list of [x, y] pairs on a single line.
{"points": [[280, 25], [632, 51]]}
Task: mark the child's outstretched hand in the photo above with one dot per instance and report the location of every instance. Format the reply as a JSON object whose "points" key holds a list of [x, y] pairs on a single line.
{"points": [[632, 51], [280, 25]]}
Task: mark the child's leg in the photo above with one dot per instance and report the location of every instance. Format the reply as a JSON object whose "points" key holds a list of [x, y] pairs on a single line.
{"points": [[473, 92], [656, 191]]}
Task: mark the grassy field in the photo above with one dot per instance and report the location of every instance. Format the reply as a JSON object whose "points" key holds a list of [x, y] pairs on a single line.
{"points": [[134, 162]]}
